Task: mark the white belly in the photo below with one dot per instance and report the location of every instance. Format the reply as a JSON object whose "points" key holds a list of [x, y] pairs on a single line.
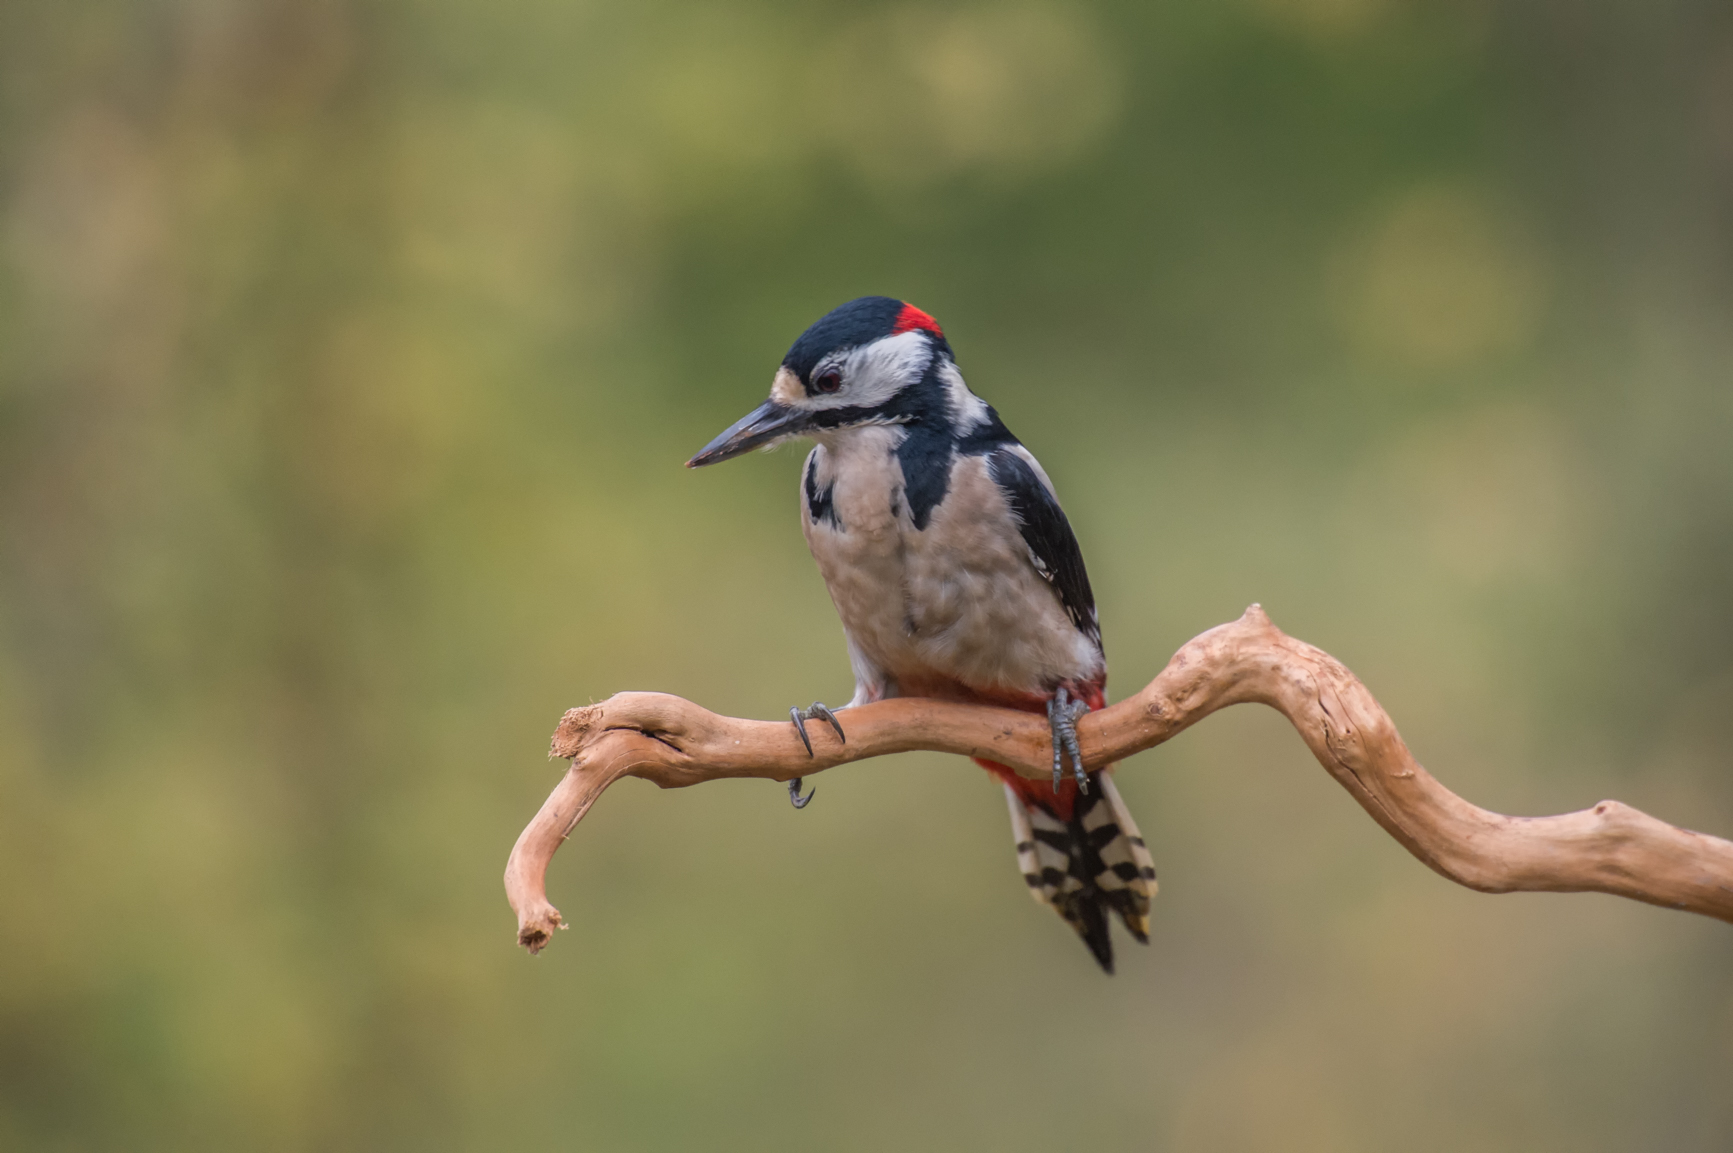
{"points": [[959, 600]]}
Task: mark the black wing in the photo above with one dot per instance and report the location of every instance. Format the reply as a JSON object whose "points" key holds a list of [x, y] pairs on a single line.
{"points": [[1052, 544]]}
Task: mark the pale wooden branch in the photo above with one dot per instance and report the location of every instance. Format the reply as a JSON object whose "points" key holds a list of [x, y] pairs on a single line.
{"points": [[1611, 848]]}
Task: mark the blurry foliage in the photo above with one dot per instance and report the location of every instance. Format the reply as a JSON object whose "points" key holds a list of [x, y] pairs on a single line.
{"points": [[348, 355]]}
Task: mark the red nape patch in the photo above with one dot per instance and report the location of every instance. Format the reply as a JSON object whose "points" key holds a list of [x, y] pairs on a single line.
{"points": [[911, 318]]}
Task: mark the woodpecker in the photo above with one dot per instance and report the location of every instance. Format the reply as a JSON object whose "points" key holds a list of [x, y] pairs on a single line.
{"points": [[957, 577]]}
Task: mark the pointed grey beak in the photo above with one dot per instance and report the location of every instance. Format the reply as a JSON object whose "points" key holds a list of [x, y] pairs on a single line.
{"points": [[766, 423]]}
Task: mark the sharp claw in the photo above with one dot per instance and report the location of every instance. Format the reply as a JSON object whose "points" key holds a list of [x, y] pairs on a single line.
{"points": [[824, 714], [816, 710]]}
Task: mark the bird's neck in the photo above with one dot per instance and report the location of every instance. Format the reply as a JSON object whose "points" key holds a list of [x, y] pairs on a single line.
{"points": [[863, 458]]}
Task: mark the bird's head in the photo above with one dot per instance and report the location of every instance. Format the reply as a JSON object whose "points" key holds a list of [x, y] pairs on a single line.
{"points": [[873, 361]]}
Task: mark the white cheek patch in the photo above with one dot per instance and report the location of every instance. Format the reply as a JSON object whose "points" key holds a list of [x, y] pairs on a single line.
{"points": [[967, 409], [871, 374]]}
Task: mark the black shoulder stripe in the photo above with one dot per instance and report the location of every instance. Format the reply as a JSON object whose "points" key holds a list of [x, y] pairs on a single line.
{"points": [[1052, 545], [925, 456]]}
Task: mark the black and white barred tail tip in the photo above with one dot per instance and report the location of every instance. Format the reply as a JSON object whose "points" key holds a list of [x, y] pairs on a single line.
{"points": [[1089, 866]]}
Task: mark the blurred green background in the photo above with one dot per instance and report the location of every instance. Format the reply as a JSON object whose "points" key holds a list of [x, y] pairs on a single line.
{"points": [[349, 353]]}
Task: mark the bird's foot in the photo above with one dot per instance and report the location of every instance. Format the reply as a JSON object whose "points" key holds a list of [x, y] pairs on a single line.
{"points": [[1062, 714], [813, 712]]}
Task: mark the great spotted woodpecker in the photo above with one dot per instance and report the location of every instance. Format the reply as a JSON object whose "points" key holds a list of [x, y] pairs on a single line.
{"points": [[957, 577]]}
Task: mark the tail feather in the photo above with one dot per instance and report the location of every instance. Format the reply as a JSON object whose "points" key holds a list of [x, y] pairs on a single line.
{"points": [[1086, 861], [1128, 872]]}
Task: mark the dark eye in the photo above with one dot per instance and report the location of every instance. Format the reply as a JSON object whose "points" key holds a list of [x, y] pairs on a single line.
{"points": [[827, 381]]}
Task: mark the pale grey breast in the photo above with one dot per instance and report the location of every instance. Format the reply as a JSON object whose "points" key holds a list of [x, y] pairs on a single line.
{"points": [[958, 600]]}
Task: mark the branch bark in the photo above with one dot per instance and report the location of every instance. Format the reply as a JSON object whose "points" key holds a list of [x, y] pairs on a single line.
{"points": [[1611, 848]]}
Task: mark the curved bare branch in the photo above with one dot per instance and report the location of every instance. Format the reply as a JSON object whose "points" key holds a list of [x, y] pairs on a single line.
{"points": [[1611, 848]]}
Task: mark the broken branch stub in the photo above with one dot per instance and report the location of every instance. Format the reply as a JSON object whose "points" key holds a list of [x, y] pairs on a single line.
{"points": [[1611, 848]]}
